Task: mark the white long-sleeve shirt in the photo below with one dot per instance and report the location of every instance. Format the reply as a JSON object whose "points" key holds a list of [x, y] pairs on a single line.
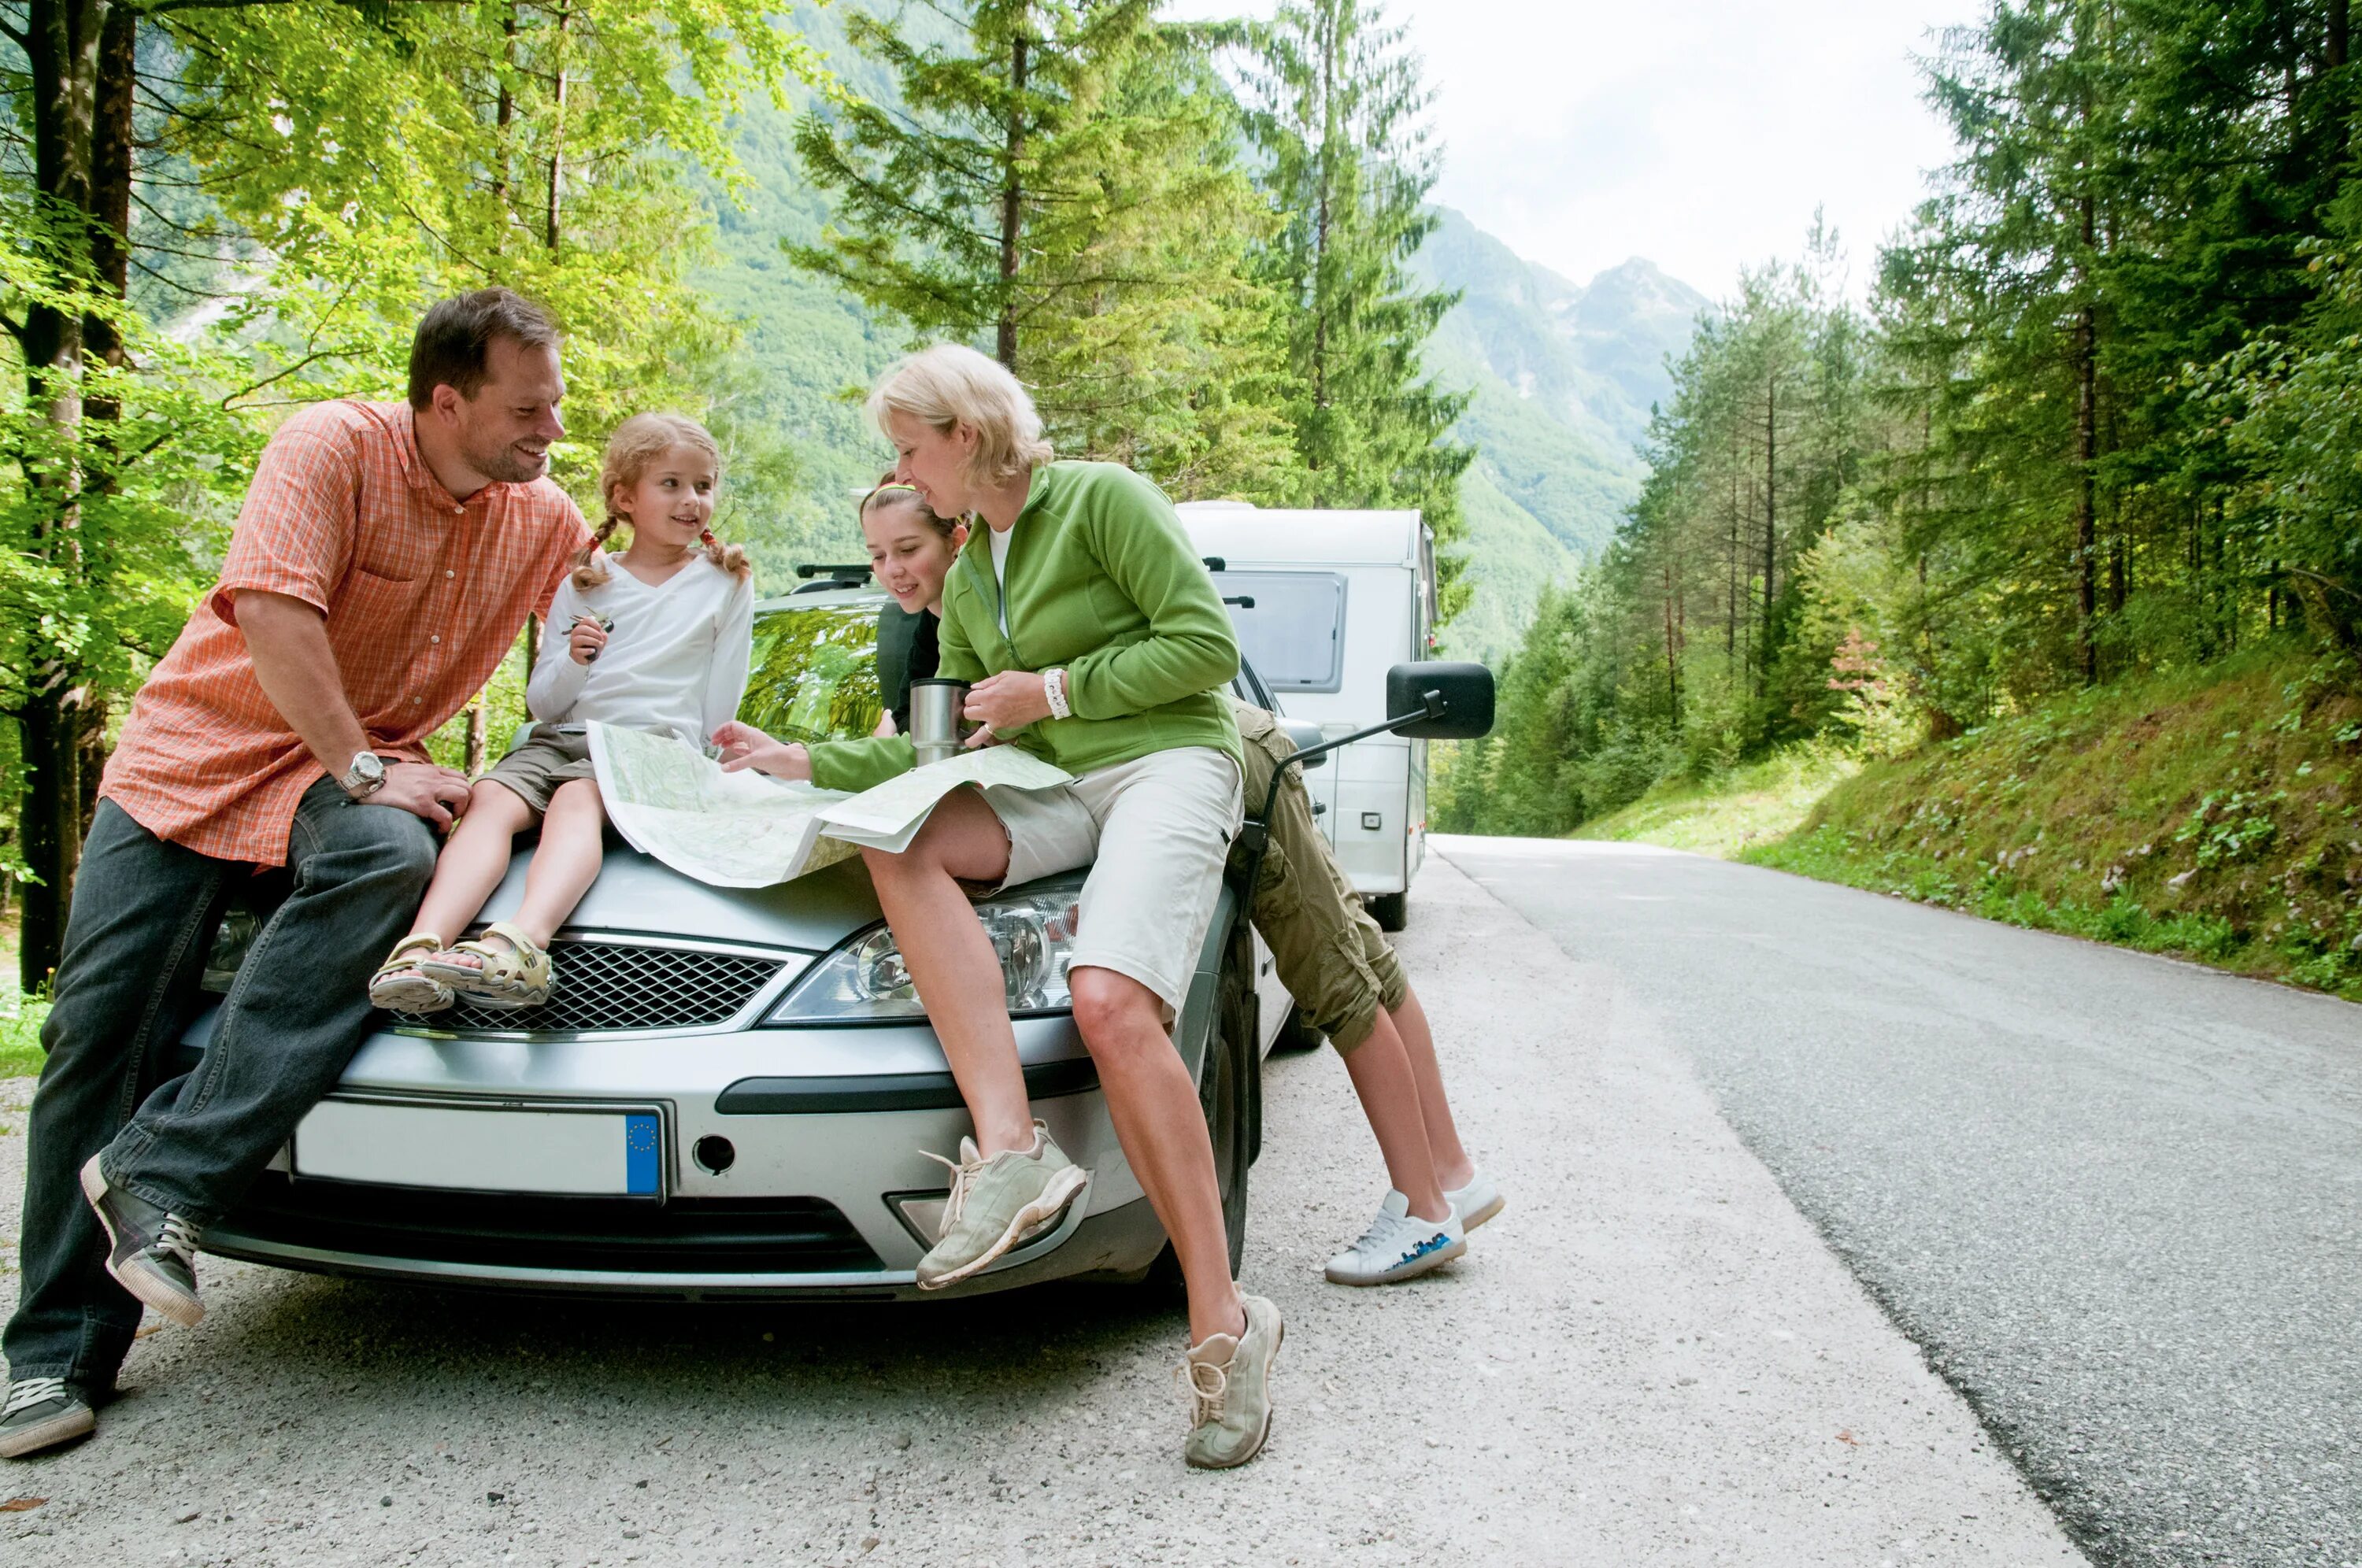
{"points": [[675, 662]]}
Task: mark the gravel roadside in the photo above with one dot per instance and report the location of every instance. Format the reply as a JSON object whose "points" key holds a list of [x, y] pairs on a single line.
{"points": [[1649, 1358]]}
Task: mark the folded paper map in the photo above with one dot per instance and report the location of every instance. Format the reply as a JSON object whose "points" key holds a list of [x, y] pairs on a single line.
{"points": [[744, 829]]}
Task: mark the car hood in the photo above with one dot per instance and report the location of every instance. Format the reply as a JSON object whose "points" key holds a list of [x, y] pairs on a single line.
{"points": [[642, 896]]}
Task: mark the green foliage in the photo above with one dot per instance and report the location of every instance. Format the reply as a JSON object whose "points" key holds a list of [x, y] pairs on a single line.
{"points": [[307, 177], [21, 1035], [813, 678], [1695, 640], [2098, 421], [1336, 108], [2216, 814], [1063, 181], [1730, 812]]}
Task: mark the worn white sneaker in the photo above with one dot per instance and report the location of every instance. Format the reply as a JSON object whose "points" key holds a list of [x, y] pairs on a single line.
{"points": [[1396, 1246], [1476, 1202], [1230, 1390]]}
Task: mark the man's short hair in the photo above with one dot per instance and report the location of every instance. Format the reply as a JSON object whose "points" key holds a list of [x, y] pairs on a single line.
{"points": [[454, 339]]}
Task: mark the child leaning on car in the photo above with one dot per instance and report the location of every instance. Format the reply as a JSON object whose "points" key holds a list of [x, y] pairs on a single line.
{"points": [[657, 638]]}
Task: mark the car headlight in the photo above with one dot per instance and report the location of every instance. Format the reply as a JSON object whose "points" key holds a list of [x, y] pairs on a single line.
{"points": [[864, 981]]}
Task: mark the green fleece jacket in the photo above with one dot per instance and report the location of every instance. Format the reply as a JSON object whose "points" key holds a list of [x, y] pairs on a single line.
{"points": [[1103, 583]]}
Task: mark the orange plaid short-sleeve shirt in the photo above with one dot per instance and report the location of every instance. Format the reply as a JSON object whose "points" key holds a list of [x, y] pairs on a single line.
{"points": [[424, 594]]}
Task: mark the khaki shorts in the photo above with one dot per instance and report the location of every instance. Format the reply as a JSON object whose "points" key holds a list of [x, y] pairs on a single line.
{"points": [[1329, 953], [1154, 834], [546, 759]]}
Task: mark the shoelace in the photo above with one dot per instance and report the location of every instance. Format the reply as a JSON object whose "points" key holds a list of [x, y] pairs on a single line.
{"points": [[1205, 1404], [32, 1391], [1381, 1234], [179, 1238], [964, 1177]]}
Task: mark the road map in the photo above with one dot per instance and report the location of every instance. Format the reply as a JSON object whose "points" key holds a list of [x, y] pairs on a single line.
{"points": [[746, 830]]}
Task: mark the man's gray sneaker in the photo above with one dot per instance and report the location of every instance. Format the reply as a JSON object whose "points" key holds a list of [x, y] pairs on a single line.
{"points": [[42, 1412], [1476, 1202], [1230, 1390], [995, 1202], [150, 1253]]}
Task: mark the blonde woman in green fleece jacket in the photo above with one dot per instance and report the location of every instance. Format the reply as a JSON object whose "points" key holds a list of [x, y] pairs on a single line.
{"points": [[1091, 635]]}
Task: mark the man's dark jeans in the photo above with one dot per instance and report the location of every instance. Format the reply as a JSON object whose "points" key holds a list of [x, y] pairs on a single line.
{"points": [[144, 910]]}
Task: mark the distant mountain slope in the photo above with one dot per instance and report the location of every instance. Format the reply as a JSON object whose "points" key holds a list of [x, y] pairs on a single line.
{"points": [[1564, 377]]}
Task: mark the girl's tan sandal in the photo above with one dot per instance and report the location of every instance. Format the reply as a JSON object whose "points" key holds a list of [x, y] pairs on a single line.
{"points": [[400, 985], [516, 974]]}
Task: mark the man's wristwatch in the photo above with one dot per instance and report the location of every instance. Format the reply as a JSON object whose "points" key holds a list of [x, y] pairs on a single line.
{"points": [[365, 778]]}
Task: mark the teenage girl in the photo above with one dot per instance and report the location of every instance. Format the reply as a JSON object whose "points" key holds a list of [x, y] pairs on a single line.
{"points": [[657, 638]]}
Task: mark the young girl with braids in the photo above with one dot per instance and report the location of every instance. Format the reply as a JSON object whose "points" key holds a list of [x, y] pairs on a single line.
{"points": [[657, 638]]}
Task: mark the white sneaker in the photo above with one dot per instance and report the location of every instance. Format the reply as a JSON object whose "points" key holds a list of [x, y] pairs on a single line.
{"points": [[1396, 1246], [1476, 1202]]}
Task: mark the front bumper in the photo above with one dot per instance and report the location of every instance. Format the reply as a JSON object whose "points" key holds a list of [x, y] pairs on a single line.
{"points": [[824, 1129]]}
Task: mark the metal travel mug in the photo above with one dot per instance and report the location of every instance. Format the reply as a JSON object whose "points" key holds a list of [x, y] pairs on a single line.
{"points": [[936, 726]]}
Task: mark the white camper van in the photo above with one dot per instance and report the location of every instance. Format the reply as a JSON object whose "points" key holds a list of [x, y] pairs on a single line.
{"points": [[1338, 596]]}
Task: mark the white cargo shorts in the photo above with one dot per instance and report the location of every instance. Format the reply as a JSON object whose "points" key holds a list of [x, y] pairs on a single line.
{"points": [[1156, 834]]}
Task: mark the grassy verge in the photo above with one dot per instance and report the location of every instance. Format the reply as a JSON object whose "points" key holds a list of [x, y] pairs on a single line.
{"points": [[1731, 813], [2214, 813]]}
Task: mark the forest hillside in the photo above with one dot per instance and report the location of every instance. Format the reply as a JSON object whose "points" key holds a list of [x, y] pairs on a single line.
{"points": [[2212, 813]]}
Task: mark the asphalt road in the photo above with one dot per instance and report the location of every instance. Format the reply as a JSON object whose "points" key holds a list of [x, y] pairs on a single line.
{"points": [[1649, 1358], [2116, 1200]]}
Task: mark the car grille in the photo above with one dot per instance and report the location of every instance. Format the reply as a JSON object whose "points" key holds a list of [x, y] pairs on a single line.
{"points": [[703, 1235], [610, 986]]}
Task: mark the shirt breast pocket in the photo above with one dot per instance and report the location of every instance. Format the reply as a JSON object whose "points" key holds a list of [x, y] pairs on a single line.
{"points": [[370, 606]]}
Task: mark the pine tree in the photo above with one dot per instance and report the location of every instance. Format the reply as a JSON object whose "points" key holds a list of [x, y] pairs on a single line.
{"points": [[1336, 106], [1063, 182]]}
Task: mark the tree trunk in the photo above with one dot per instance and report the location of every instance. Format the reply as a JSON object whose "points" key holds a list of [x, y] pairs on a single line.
{"points": [[1730, 581], [504, 114], [1771, 528], [473, 759], [62, 64], [49, 822], [2337, 33], [1672, 654], [2087, 452], [1013, 207], [110, 196], [550, 229]]}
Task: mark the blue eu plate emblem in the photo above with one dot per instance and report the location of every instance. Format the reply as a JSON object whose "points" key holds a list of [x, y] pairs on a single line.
{"points": [[640, 1156]]}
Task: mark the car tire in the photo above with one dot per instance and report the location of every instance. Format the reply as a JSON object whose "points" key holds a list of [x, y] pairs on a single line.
{"points": [[1391, 911], [1229, 1093]]}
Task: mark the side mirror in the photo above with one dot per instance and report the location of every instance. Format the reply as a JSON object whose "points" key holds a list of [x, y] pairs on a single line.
{"points": [[1456, 698], [1304, 736]]}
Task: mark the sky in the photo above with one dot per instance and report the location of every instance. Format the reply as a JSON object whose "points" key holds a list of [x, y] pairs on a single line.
{"points": [[1701, 134]]}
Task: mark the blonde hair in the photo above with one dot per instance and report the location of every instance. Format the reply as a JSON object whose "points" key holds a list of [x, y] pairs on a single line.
{"points": [[950, 385], [636, 443]]}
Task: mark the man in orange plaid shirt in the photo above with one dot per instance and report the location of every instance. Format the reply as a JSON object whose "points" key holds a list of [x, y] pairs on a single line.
{"points": [[385, 558]]}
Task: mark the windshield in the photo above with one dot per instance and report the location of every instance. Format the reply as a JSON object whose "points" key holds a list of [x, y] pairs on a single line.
{"points": [[814, 675]]}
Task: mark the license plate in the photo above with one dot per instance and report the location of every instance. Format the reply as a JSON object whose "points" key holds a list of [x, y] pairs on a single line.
{"points": [[482, 1149]]}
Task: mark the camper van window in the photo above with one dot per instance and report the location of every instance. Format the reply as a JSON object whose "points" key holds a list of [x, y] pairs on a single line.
{"points": [[1296, 634]]}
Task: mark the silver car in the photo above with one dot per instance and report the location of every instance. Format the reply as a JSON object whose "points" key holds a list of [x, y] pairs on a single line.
{"points": [[729, 1092]]}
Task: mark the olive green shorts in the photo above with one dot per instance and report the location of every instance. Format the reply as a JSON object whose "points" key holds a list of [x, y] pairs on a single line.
{"points": [[546, 760], [1329, 953]]}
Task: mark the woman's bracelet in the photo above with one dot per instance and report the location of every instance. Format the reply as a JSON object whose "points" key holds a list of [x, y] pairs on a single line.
{"points": [[1053, 689]]}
